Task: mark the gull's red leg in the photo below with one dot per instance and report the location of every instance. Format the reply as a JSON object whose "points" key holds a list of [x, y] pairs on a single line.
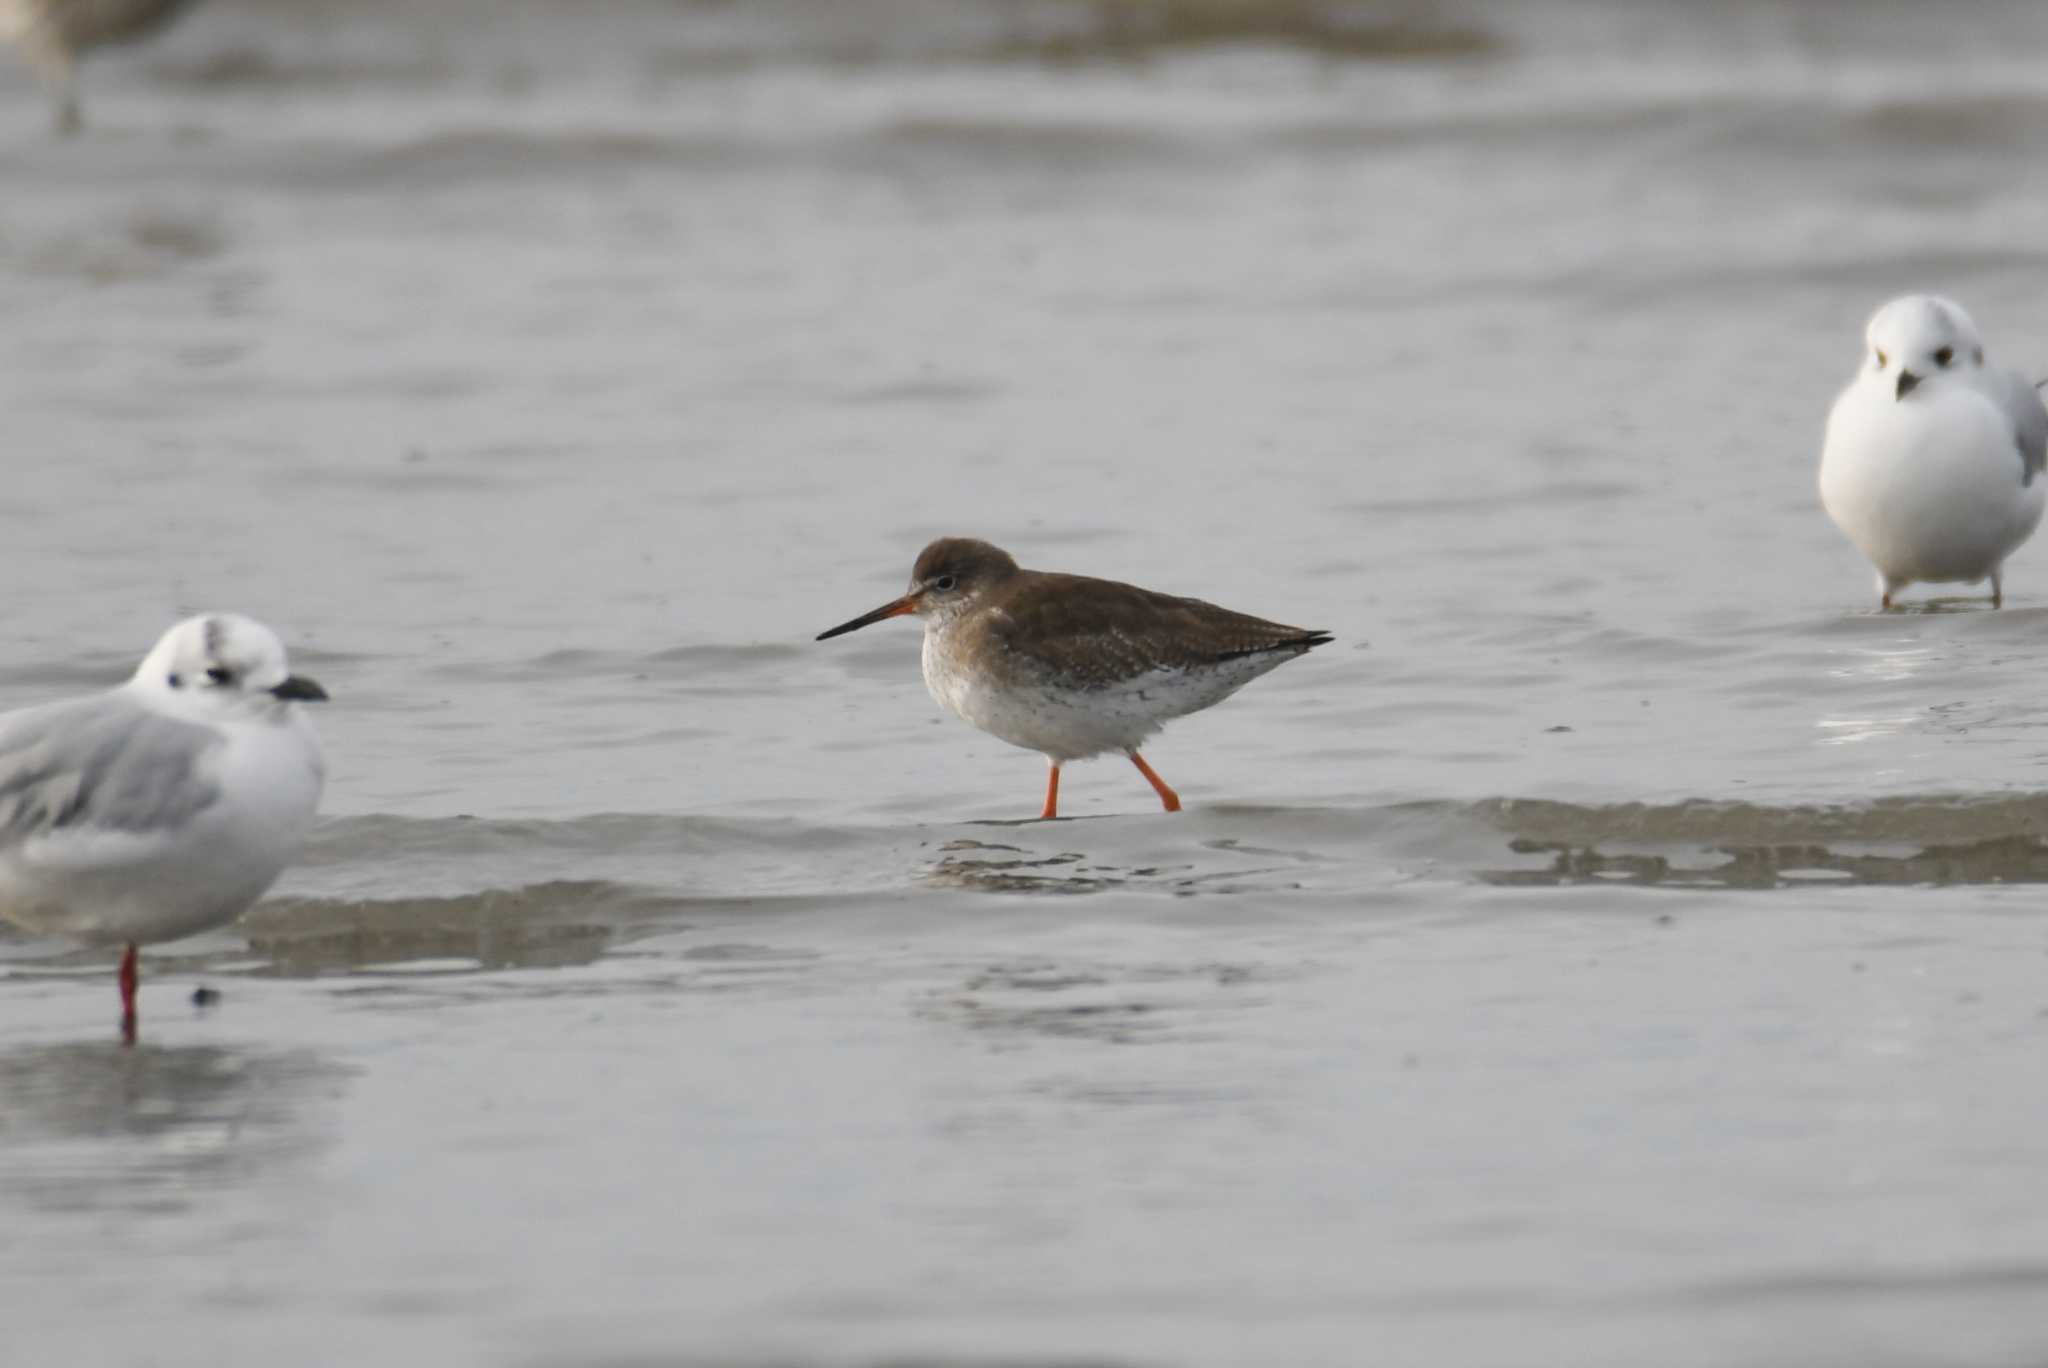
{"points": [[1166, 795], [1052, 795], [129, 975]]}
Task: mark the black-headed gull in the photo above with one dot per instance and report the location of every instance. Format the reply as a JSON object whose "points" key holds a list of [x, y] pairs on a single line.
{"points": [[1933, 459], [165, 806]]}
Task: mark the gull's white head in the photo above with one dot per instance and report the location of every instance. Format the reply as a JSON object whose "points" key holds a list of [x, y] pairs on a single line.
{"points": [[222, 664], [1917, 338]]}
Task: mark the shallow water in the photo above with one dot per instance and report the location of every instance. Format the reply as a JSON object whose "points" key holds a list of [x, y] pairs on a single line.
{"points": [[1618, 947]]}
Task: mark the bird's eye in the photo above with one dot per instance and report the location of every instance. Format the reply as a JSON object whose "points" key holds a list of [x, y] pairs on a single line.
{"points": [[176, 681], [220, 674], [1944, 356], [945, 583], [1881, 362]]}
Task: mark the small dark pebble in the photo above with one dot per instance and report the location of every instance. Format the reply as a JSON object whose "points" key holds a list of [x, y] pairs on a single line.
{"points": [[1554, 730], [206, 997]]}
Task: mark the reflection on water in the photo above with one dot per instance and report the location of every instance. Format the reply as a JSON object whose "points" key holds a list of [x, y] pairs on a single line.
{"points": [[1109, 1003], [1841, 731], [89, 1126], [1133, 28], [1900, 660], [988, 867], [543, 926], [1934, 841], [1929, 607], [1919, 819], [745, 1360], [2010, 859]]}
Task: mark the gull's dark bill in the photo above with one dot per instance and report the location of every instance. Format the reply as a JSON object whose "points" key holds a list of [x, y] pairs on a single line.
{"points": [[299, 689]]}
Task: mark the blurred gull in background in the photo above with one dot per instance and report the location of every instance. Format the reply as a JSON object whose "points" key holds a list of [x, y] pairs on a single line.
{"points": [[54, 34]]}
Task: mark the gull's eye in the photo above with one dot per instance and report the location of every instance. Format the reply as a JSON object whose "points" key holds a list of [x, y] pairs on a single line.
{"points": [[176, 681], [945, 584], [1944, 356], [1881, 362], [220, 674]]}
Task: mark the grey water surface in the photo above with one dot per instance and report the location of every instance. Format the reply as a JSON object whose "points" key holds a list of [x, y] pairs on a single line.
{"points": [[1622, 946]]}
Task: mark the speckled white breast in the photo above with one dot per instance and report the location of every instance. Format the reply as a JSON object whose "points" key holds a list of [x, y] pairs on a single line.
{"points": [[1029, 709]]}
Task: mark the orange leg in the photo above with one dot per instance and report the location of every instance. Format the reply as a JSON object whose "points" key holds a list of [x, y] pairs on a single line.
{"points": [[1166, 795], [1052, 795], [129, 975]]}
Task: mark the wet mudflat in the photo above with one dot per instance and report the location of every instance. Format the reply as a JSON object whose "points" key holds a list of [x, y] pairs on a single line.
{"points": [[1620, 946]]}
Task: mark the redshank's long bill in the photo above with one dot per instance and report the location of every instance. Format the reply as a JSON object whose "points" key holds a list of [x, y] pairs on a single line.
{"points": [[1070, 666]]}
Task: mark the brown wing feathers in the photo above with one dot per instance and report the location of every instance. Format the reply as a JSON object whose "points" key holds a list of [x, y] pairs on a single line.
{"points": [[1089, 628]]}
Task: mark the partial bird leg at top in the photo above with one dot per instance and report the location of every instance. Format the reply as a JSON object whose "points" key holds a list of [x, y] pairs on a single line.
{"points": [[1052, 795], [1997, 590], [129, 975], [70, 119], [1166, 795], [57, 64]]}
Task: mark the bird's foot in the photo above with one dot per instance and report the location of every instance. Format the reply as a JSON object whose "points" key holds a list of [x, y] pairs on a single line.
{"points": [[1167, 797]]}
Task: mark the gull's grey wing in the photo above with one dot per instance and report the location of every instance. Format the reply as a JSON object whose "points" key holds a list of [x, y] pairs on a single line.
{"points": [[105, 763], [2016, 394]]}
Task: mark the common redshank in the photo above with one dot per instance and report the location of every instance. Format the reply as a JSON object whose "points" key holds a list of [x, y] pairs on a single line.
{"points": [[1070, 666], [165, 806]]}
